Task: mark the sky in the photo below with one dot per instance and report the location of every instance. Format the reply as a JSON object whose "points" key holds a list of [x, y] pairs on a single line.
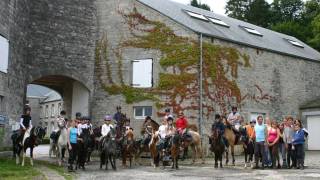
{"points": [[216, 6]]}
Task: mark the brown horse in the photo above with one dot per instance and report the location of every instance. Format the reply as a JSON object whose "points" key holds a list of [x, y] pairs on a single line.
{"points": [[128, 149], [217, 147], [144, 147], [155, 155], [175, 149], [195, 145], [232, 141]]}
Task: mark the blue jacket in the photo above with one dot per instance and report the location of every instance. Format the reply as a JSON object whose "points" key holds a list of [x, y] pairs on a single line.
{"points": [[218, 125], [298, 137]]}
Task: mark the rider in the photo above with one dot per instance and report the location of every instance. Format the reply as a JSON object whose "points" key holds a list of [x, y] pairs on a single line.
{"points": [[25, 124], [83, 124], [106, 127], [234, 119], [162, 133], [118, 115], [147, 131], [181, 125], [78, 118], [218, 124]]}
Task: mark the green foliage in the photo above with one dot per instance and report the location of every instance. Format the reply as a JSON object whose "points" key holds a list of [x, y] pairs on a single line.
{"points": [[287, 10], [237, 8], [258, 13], [291, 28], [195, 3], [315, 41]]}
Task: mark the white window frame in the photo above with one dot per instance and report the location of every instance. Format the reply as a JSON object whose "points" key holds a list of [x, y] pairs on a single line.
{"points": [[143, 112], [47, 111], [4, 54], [196, 15], [218, 22], [137, 77], [252, 31], [295, 43], [52, 110]]}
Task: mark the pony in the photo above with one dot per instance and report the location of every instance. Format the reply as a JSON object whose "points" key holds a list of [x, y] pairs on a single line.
{"points": [[94, 142], [232, 141], [62, 144], [195, 144], [144, 147], [128, 149], [83, 145], [217, 147], [248, 146], [155, 155], [175, 143], [36, 136], [109, 150]]}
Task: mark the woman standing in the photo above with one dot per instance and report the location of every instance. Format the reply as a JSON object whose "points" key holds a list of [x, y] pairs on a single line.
{"points": [[72, 143], [282, 146], [273, 138]]}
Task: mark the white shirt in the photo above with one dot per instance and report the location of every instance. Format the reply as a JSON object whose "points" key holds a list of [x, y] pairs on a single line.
{"points": [[234, 119], [106, 129], [80, 127], [162, 131]]}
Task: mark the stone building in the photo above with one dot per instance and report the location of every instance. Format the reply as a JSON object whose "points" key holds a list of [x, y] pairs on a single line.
{"points": [[146, 55]]}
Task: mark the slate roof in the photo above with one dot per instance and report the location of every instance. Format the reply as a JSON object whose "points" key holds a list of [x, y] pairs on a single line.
{"points": [[270, 40]]}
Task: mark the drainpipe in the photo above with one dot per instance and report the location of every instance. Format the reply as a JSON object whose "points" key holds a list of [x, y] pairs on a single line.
{"points": [[200, 120]]}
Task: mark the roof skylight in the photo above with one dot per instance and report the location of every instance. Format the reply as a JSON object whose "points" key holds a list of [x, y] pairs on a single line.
{"points": [[252, 31], [295, 43], [218, 21], [195, 15]]}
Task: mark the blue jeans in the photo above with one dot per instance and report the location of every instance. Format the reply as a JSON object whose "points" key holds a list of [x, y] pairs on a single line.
{"points": [[282, 150], [267, 156]]}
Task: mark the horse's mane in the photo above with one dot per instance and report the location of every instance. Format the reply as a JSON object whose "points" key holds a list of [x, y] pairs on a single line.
{"points": [[154, 125]]}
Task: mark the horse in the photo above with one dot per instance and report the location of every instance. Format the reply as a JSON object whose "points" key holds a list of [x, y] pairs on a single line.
{"points": [[144, 147], [232, 141], [109, 150], [155, 155], [62, 144], [83, 145], [217, 147], [93, 143], [248, 147], [35, 138], [128, 149], [195, 144], [175, 143]]}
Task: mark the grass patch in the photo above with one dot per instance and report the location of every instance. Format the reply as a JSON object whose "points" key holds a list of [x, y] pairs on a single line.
{"points": [[60, 170], [10, 171]]}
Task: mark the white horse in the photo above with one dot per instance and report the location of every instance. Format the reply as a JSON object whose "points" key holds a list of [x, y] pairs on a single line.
{"points": [[59, 147]]}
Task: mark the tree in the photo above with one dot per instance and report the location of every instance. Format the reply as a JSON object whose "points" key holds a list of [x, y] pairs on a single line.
{"points": [[237, 8], [315, 41], [258, 13], [311, 10], [195, 3], [287, 10]]}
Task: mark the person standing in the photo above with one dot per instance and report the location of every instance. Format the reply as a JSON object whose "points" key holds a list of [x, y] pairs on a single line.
{"points": [[261, 140], [252, 136], [288, 136], [298, 142], [268, 160], [282, 147], [72, 144], [273, 138]]}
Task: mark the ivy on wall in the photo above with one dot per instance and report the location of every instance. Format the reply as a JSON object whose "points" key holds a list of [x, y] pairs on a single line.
{"points": [[178, 83]]}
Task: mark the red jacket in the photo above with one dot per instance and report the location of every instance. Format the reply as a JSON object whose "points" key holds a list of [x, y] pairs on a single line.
{"points": [[181, 123]]}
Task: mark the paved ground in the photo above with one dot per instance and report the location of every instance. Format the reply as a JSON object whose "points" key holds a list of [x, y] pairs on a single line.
{"points": [[193, 172]]}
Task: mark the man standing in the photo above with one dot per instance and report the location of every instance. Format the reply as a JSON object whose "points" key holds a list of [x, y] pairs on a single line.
{"points": [[261, 140], [288, 136]]}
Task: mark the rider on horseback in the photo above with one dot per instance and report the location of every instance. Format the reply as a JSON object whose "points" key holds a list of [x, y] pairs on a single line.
{"points": [[106, 127], [234, 119], [147, 131], [181, 125], [25, 125], [60, 124], [218, 124]]}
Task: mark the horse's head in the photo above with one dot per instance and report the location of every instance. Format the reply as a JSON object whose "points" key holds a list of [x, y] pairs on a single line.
{"points": [[97, 132], [38, 133], [176, 138], [112, 134], [85, 135], [243, 134], [216, 134]]}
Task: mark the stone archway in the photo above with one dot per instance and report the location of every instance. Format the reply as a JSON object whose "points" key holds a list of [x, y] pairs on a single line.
{"points": [[75, 94]]}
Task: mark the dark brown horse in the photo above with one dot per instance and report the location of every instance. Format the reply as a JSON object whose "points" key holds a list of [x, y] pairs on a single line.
{"points": [[175, 149], [217, 147], [128, 149]]}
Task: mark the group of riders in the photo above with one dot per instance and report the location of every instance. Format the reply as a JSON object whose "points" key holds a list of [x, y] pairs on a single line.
{"points": [[262, 138]]}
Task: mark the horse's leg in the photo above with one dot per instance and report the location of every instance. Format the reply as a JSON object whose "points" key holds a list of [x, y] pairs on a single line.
{"points": [[23, 155], [227, 157], [215, 160], [194, 153], [232, 153], [220, 158], [31, 156], [114, 162], [199, 151], [106, 160]]}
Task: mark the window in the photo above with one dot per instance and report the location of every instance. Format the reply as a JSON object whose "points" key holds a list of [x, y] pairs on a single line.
{"points": [[2, 106], [252, 31], [41, 112], [52, 110], [140, 112], [4, 54], [196, 15], [47, 111], [295, 43], [59, 108], [142, 73], [218, 21]]}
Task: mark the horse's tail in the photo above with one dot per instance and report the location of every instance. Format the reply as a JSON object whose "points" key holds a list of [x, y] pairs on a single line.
{"points": [[193, 127]]}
